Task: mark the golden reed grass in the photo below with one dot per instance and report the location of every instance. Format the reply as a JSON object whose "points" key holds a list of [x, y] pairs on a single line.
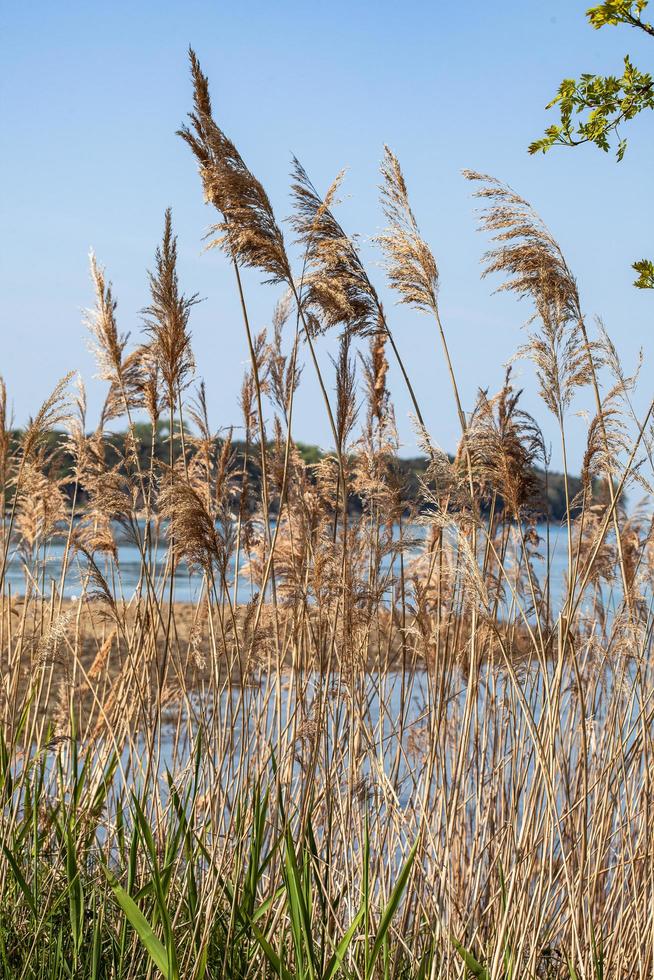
{"points": [[398, 674]]}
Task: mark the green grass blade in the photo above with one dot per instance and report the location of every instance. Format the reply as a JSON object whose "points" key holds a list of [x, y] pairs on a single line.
{"points": [[390, 910], [472, 963], [273, 958], [75, 891], [336, 960], [20, 879], [142, 927]]}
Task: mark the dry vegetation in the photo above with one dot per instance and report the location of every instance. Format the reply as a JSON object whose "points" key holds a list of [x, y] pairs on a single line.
{"points": [[400, 758]]}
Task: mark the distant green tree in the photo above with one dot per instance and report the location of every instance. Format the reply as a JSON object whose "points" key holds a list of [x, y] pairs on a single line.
{"points": [[594, 107]]}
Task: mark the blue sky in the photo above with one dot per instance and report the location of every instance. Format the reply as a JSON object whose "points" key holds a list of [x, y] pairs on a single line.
{"points": [[92, 95]]}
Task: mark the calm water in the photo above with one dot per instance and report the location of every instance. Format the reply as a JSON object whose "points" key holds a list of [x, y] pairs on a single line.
{"points": [[124, 578], [393, 711]]}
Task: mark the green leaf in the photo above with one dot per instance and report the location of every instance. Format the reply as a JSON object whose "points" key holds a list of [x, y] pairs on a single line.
{"points": [[298, 909], [614, 12], [645, 270], [391, 909], [473, 964], [271, 955], [75, 891], [142, 927], [338, 956], [18, 875]]}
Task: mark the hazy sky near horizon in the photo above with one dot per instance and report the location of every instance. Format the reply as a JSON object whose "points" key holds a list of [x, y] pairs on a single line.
{"points": [[92, 95]]}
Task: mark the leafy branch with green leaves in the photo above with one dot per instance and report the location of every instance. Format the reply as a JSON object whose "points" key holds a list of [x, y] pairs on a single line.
{"points": [[593, 108]]}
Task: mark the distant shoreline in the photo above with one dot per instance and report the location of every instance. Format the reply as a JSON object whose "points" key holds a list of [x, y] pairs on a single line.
{"points": [[549, 502]]}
